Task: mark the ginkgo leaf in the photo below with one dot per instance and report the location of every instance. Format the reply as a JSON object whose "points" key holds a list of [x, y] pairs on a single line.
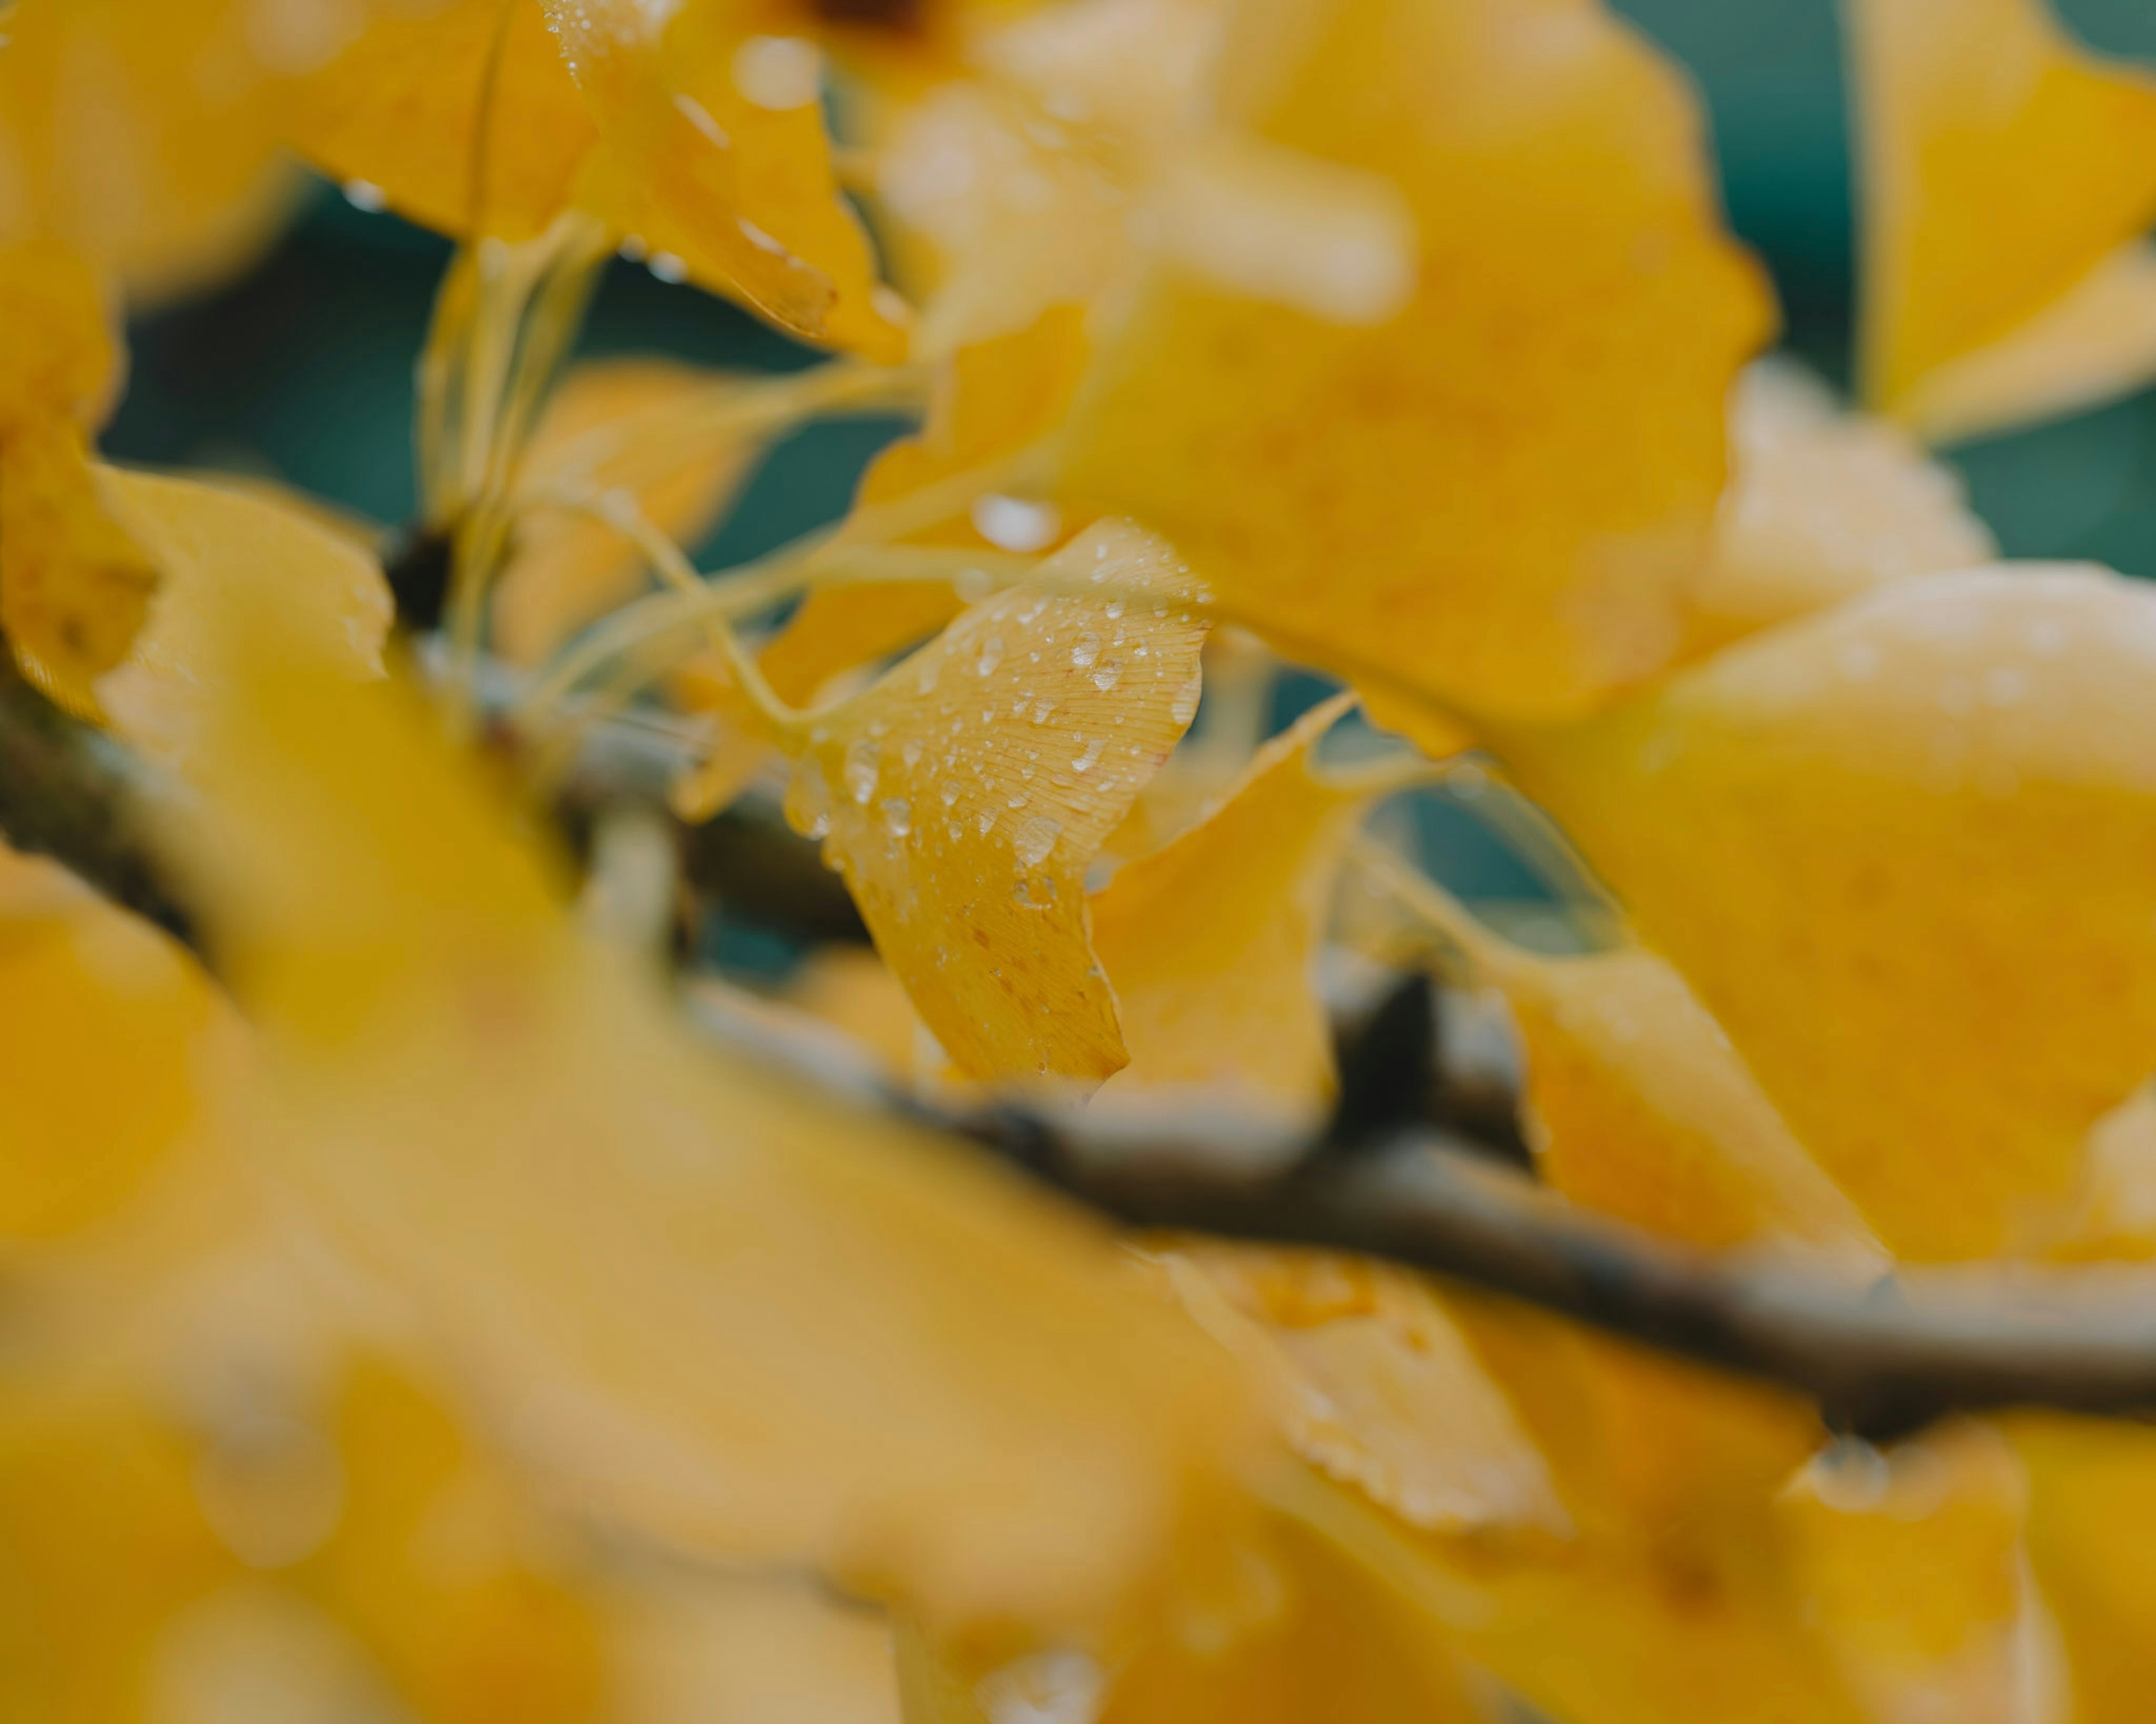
{"points": [[74, 587], [1635, 1103], [1905, 852], [2092, 1486], [461, 117], [144, 134], [2003, 168], [613, 428], [713, 158], [1821, 505], [1494, 495], [218, 548], [937, 1384], [1912, 1563], [965, 795], [1211, 943], [86, 992], [1371, 1382]]}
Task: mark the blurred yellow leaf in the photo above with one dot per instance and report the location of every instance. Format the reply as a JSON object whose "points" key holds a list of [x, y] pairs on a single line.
{"points": [[1912, 1562], [1821, 505], [220, 547], [936, 1384], [965, 795], [1637, 1104], [143, 134], [88, 992], [1905, 852], [2007, 178], [614, 426], [1211, 943], [1484, 470], [713, 158], [74, 587], [459, 114]]}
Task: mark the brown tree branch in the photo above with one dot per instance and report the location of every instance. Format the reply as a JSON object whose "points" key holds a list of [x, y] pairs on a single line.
{"points": [[1879, 1360]]}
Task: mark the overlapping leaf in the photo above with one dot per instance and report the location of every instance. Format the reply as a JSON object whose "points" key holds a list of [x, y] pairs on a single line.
{"points": [[964, 796], [2007, 177], [1903, 850], [1475, 454]]}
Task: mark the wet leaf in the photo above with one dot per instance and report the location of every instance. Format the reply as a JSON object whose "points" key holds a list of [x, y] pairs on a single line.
{"points": [[1494, 494], [1905, 853], [2009, 176], [461, 117], [713, 159], [965, 795]]}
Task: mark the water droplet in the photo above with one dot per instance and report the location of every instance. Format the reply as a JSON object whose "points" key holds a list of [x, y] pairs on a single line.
{"points": [[973, 585], [1109, 675], [898, 817], [1091, 758], [949, 790], [861, 758], [910, 754], [991, 655], [1034, 839], [365, 194], [668, 267], [1012, 524], [953, 831], [1114, 608], [985, 822], [1018, 799], [809, 799], [1085, 649], [1041, 709], [1184, 706]]}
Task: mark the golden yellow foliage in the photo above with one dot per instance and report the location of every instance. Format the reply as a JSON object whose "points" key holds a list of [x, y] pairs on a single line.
{"points": [[965, 795], [1902, 850], [1506, 420], [586, 1205], [2007, 177]]}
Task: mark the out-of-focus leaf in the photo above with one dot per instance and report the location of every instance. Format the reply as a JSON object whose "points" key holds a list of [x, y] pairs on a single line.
{"points": [[144, 134], [937, 1384], [218, 548], [713, 155], [1211, 943], [106, 1030], [2009, 177], [459, 114], [1491, 489], [613, 426], [1821, 505], [1913, 1563], [1637, 1104], [74, 587], [1905, 852], [965, 795]]}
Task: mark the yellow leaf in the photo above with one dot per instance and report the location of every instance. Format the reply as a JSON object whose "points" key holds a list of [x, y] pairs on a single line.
{"points": [[144, 134], [1905, 852], [938, 1385], [618, 425], [74, 588], [713, 157], [965, 795], [221, 549], [106, 1026], [460, 116], [1822, 504], [1637, 1104], [1211, 943], [2004, 168], [1913, 1565], [1495, 494]]}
